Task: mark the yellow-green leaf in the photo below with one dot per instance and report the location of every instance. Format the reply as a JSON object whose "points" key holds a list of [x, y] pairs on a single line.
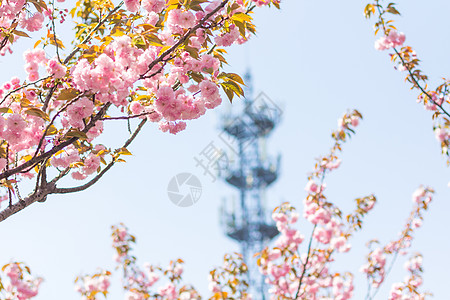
{"points": [[67, 94], [20, 33], [76, 133], [37, 113], [4, 110]]}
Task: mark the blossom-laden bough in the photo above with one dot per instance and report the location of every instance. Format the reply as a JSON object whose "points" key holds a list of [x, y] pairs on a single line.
{"points": [[157, 61], [296, 273], [436, 100]]}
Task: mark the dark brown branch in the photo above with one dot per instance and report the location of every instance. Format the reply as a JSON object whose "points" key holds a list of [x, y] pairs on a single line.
{"points": [[86, 185], [60, 175], [49, 96], [41, 193], [21, 87], [43, 178], [32, 162], [418, 85], [53, 121]]}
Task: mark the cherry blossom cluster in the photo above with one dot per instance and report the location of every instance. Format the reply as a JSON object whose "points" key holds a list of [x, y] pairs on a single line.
{"points": [[12, 14], [391, 40], [434, 102], [316, 208], [291, 276], [153, 282], [295, 274], [90, 286], [307, 276], [29, 16], [376, 268], [113, 73], [17, 282], [140, 283], [406, 60], [442, 134], [230, 280], [409, 288], [278, 271]]}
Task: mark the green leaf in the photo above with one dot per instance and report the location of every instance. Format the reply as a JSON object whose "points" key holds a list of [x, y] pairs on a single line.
{"points": [[67, 94], [241, 17], [369, 10], [234, 87], [192, 51], [20, 33], [392, 10], [4, 110], [153, 40], [52, 130], [76, 133], [37, 113], [196, 76], [124, 151], [241, 27], [235, 77], [228, 92]]}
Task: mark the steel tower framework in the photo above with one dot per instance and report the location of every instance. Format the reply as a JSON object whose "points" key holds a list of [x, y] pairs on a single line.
{"points": [[248, 222]]}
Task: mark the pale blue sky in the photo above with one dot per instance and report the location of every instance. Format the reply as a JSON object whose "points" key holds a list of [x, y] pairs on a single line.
{"points": [[317, 59]]}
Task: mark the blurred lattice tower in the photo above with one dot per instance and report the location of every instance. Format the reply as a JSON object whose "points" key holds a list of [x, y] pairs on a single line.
{"points": [[250, 171]]}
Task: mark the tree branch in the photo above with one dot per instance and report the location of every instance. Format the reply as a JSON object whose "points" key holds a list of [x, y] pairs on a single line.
{"points": [[306, 263], [89, 36], [21, 87], [37, 159], [5, 39], [127, 117], [45, 189], [40, 194], [54, 32], [99, 175]]}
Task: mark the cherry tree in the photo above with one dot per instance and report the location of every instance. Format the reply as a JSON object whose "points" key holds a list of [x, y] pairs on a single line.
{"points": [[300, 264], [154, 61]]}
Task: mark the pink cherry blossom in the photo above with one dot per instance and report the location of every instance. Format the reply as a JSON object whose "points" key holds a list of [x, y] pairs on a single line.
{"points": [[132, 5], [393, 39]]}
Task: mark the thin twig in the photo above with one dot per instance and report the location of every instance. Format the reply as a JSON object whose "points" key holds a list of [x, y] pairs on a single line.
{"points": [[52, 121], [89, 36], [54, 32], [4, 42], [418, 85], [411, 75], [21, 87], [127, 117], [306, 263], [108, 167], [37, 159]]}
